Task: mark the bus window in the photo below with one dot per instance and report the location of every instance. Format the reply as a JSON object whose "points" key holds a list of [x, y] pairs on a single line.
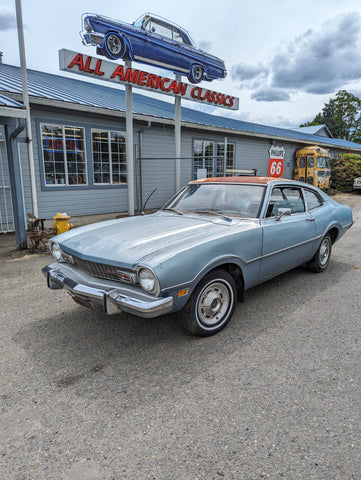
{"points": [[322, 162]]}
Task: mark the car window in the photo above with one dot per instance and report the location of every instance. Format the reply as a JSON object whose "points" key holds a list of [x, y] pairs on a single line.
{"points": [[177, 36], [311, 162], [159, 29], [312, 199], [285, 197]]}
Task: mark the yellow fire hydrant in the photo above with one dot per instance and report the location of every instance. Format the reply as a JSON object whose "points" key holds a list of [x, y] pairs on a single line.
{"points": [[61, 223]]}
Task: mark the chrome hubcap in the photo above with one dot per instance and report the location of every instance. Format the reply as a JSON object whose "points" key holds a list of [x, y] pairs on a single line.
{"points": [[114, 44], [324, 251], [213, 303], [198, 73]]}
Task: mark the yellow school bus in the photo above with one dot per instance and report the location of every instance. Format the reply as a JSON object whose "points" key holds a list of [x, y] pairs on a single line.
{"points": [[313, 166]]}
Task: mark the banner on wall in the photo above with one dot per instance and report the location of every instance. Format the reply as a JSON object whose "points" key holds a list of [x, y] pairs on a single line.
{"points": [[117, 73]]}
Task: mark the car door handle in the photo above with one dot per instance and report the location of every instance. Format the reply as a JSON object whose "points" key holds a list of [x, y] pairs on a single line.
{"points": [[311, 219]]}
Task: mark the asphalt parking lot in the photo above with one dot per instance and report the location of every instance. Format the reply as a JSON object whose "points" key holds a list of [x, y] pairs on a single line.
{"points": [[275, 395]]}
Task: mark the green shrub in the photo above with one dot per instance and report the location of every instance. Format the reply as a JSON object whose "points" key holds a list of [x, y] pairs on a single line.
{"points": [[344, 170]]}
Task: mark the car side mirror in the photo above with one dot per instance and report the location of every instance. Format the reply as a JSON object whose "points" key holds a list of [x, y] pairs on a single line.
{"points": [[281, 212]]}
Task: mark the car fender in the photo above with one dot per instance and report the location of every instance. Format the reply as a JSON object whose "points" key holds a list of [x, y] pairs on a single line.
{"points": [[248, 274], [232, 264]]}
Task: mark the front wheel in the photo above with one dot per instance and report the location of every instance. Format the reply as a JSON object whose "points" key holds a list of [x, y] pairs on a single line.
{"points": [[321, 259], [211, 305], [114, 46]]}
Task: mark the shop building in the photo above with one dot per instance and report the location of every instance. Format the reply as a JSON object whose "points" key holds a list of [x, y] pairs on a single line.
{"points": [[79, 142]]}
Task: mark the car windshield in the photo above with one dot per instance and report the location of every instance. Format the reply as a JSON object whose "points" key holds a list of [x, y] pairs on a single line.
{"points": [[227, 199]]}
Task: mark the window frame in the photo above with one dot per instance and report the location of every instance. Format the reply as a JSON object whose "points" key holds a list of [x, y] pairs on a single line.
{"points": [[65, 159], [212, 159], [111, 183], [305, 190], [267, 216]]}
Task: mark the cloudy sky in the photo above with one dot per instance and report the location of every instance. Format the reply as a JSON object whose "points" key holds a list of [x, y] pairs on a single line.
{"points": [[285, 58]]}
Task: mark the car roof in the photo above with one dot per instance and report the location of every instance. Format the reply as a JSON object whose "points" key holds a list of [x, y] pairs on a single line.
{"points": [[243, 180]]}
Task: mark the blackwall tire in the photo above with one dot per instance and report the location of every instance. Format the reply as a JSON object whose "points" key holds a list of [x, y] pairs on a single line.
{"points": [[211, 305], [321, 259]]}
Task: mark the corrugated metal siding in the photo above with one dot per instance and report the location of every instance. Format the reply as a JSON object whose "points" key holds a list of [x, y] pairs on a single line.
{"points": [[6, 206], [157, 165]]}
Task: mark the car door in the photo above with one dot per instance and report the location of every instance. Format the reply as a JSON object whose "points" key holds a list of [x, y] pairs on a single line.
{"points": [[287, 239]]}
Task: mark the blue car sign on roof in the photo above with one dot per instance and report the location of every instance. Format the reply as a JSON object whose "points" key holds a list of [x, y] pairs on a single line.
{"points": [[154, 41]]}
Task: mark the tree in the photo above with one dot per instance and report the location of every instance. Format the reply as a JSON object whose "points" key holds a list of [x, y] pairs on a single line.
{"points": [[318, 120], [342, 115]]}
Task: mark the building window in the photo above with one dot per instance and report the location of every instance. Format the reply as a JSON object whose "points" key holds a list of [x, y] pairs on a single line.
{"points": [[64, 155], [209, 159], [109, 157]]}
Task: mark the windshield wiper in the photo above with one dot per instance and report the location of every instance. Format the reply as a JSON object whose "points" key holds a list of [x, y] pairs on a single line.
{"points": [[172, 210], [214, 212]]}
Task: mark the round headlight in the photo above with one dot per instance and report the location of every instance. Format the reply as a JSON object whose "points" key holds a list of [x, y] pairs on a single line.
{"points": [[55, 251], [147, 280]]}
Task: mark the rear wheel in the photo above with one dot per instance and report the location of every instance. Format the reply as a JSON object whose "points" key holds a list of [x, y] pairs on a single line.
{"points": [[211, 305], [114, 46], [320, 261], [196, 74]]}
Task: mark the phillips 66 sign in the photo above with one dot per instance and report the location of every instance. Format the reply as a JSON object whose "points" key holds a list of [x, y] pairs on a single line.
{"points": [[276, 163]]}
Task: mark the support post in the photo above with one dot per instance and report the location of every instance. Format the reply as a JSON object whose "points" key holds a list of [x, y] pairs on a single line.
{"points": [[129, 142], [177, 137], [19, 19]]}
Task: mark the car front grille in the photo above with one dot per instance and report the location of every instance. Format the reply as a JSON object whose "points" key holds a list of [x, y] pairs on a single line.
{"points": [[102, 270]]}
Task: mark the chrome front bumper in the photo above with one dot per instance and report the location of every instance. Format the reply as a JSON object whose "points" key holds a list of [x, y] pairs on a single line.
{"points": [[91, 38], [114, 297]]}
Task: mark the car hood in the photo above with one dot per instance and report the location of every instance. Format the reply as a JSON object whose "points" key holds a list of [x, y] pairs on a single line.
{"points": [[146, 239]]}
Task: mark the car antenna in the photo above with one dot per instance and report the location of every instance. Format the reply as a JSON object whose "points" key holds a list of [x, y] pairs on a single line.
{"points": [[145, 203]]}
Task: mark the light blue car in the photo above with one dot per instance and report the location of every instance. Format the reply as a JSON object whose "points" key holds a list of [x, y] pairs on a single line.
{"points": [[214, 240]]}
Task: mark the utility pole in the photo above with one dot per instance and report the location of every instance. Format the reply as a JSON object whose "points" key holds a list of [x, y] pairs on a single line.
{"points": [[29, 137]]}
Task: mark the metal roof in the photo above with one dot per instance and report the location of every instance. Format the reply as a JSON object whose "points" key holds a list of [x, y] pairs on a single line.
{"points": [[315, 129], [8, 102], [66, 89]]}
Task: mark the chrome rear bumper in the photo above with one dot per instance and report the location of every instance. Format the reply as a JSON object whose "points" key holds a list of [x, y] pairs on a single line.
{"points": [[114, 297]]}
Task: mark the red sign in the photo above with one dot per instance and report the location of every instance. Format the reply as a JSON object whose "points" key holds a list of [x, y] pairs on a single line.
{"points": [[99, 68], [54, 144], [276, 164]]}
